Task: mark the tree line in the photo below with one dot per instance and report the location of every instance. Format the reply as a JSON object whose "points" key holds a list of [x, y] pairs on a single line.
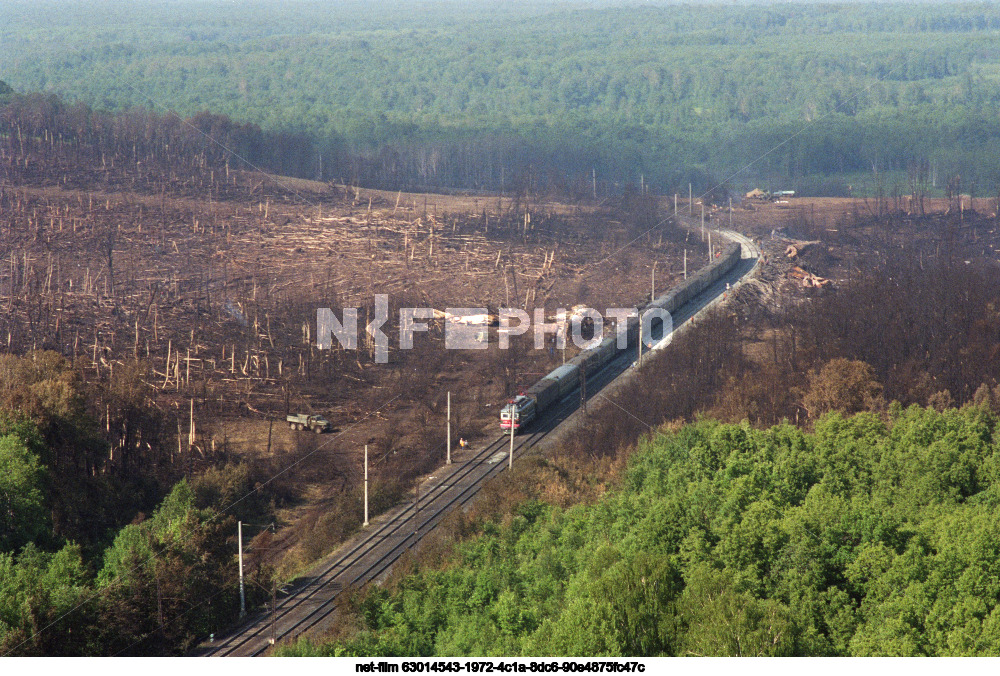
{"points": [[47, 139], [468, 97]]}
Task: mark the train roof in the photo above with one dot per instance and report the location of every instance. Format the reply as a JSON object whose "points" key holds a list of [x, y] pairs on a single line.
{"points": [[563, 371]]}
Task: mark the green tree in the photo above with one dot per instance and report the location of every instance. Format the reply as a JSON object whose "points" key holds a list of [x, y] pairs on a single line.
{"points": [[171, 578], [723, 621], [46, 604], [23, 516]]}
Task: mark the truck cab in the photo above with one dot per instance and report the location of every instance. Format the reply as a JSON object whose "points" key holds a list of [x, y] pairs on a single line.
{"points": [[518, 412]]}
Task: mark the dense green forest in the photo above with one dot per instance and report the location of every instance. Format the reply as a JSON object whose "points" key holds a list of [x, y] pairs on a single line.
{"points": [[824, 98], [866, 537]]}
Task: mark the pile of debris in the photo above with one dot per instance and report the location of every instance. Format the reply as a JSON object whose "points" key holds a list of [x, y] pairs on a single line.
{"points": [[784, 277], [754, 301], [808, 279], [796, 252]]}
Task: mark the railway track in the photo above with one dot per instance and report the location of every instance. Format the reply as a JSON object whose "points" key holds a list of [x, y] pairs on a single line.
{"points": [[311, 604]]}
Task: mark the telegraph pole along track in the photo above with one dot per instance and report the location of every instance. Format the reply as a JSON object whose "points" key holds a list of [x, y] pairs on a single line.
{"points": [[309, 605]]}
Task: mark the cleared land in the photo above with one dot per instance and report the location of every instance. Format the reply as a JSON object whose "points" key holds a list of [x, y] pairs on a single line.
{"points": [[217, 300]]}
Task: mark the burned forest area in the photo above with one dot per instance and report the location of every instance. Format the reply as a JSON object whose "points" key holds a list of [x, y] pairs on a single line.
{"points": [[173, 299]]}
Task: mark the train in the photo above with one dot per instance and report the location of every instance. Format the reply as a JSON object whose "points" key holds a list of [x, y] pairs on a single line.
{"points": [[524, 408], [518, 412]]}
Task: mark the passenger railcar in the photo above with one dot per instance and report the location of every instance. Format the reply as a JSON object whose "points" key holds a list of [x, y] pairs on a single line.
{"points": [[526, 407]]}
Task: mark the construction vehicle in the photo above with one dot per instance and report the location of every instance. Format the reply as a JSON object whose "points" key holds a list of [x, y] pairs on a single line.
{"points": [[301, 421]]}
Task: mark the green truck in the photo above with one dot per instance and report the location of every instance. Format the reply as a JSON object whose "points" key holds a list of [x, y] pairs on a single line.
{"points": [[301, 421]]}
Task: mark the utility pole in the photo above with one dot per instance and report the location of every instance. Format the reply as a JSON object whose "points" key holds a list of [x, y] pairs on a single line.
{"points": [[690, 200], [709, 247], [565, 331], [685, 264], [274, 605], [639, 344], [159, 608], [366, 486], [675, 204], [449, 431], [702, 221], [239, 537], [593, 174], [510, 455]]}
